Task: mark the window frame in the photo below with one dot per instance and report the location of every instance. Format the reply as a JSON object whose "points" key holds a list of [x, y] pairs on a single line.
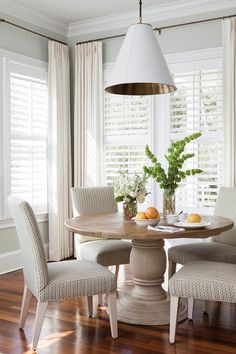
{"points": [[7, 59]]}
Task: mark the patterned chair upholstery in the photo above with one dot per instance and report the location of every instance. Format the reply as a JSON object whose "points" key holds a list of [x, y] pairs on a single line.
{"points": [[99, 200], [221, 249], [59, 280], [201, 280]]}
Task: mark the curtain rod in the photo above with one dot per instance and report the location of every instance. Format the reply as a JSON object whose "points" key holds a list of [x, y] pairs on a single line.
{"points": [[159, 29], [28, 30]]}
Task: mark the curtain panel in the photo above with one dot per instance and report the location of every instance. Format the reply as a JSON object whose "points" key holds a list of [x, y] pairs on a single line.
{"points": [[59, 151], [88, 117], [229, 108]]}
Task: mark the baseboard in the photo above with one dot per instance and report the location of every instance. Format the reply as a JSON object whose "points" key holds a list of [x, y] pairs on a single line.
{"points": [[11, 261]]}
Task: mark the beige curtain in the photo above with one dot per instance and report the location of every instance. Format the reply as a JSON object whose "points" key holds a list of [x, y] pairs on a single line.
{"points": [[88, 122], [59, 177], [229, 75]]}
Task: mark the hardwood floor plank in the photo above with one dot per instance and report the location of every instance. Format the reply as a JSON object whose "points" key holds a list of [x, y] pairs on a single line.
{"points": [[68, 330]]}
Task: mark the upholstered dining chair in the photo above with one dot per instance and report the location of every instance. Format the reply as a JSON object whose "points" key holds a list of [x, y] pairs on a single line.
{"points": [[57, 280], [99, 200], [202, 280], [221, 248]]}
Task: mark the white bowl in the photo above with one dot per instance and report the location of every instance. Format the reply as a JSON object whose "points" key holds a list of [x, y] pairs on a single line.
{"points": [[146, 222], [171, 218]]}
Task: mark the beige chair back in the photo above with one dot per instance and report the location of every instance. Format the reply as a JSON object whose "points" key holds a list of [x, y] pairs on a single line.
{"points": [[32, 250], [226, 206], [92, 200]]}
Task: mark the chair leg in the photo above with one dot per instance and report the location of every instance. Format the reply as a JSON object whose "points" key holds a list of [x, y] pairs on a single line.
{"points": [[171, 269], [206, 307], [190, 308], [40, 314], [90, 305], [117, 271], [100, 300], [174, 304], [112, 310], [27, 296]]}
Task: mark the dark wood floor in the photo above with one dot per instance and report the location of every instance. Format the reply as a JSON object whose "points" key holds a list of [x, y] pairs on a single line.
{"points": [[66, 328]]}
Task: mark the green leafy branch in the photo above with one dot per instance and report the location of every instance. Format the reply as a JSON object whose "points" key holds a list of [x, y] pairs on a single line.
{"points": [[176, 158]]}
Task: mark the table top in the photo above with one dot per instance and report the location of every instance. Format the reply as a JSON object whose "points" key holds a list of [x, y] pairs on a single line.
{"points": [[112, 226]]}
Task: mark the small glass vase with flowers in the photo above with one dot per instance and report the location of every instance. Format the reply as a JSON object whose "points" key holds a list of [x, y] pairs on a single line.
{"points": [[131, 190]]}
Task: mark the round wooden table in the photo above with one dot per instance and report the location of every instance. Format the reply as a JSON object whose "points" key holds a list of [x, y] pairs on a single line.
{"points": [[147, 303]]}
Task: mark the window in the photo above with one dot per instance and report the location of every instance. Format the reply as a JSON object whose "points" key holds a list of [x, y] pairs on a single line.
{"points": [[197, 105], [126, 132], [131, 122], [25, 127]]}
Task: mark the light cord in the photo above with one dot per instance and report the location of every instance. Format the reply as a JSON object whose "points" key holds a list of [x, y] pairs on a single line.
{"points": [[140, 11]]}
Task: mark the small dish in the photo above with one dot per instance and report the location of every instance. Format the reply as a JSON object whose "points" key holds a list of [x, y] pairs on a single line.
{"points": [[171, 218], [192, 225], [146, 222]]}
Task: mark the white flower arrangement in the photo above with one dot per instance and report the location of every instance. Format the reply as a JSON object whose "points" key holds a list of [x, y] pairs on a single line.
{"points": [[129, 188]]}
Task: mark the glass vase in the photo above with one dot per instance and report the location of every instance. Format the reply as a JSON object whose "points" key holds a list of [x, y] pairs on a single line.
{"points": [[129, 210], [168, 202]]}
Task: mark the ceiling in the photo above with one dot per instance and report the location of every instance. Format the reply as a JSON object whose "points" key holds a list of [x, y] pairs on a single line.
{"points": [[67, 11]]}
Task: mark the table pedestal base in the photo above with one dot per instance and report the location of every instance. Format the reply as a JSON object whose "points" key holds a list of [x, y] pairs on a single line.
{"points": [[139, 312], [147, 303]]}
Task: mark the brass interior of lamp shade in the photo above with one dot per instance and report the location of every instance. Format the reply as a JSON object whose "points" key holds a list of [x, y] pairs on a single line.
{"points": [[140, 88]]}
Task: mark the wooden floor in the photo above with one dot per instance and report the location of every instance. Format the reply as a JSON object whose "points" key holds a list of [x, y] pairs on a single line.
{"points": [[67, 330]]}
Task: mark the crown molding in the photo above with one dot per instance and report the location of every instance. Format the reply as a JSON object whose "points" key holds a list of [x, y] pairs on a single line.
{"points": [[25, 14], [153, 15], [102, 26]]}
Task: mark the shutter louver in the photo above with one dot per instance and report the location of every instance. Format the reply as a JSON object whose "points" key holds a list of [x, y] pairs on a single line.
{"points": [[197, 105], [28, 139], [126, 131]]}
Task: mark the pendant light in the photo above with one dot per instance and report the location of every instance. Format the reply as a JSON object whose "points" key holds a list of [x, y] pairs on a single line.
{"points": [[140, 68]]}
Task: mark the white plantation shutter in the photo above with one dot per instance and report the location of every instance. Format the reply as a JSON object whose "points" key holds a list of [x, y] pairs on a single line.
{"points": [[27, 134], [197, 105], [126, 132]]}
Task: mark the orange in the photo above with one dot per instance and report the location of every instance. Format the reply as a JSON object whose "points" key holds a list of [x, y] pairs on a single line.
{"points": [[194, 218], [152, 213], [141, 215]]}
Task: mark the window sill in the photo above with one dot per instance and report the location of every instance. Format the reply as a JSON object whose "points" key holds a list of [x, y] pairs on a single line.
{"points": [[8, 223]]}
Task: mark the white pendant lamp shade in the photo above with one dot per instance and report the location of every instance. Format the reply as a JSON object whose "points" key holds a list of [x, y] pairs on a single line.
{"points": [[140, 68]]}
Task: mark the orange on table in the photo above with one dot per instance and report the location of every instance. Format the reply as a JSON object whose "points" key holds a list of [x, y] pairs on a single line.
{"points": [[141, 215], [152, 213], [194, 218]]}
